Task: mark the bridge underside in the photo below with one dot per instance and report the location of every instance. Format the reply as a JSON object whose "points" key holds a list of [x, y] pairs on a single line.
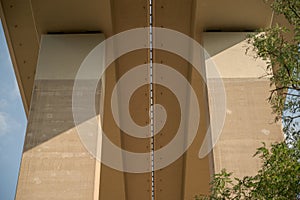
{"points": [[48, 40]]}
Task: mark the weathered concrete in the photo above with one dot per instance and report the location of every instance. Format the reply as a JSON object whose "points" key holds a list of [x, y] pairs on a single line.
{"points": [[249, 121], [55, 163]]}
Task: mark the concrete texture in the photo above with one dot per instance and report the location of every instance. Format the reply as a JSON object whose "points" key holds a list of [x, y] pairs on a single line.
{"points": [[249, 121], [55, 163], [248, 124]]}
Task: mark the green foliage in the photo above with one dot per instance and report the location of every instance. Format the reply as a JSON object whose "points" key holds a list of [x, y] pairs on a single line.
{"points": [[290, 9], [279, 176], [279, 47]]}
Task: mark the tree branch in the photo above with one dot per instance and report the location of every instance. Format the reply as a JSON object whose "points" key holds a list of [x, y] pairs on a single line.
{"points": [[292, 118], [293, 10], [295, 95], [285, 87]]}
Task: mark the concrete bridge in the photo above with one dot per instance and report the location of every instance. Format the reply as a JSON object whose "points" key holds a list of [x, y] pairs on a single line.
{"points": [[49, 40]]}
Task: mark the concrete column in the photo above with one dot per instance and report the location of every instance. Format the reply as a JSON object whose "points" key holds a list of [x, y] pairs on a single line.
{"points": [[249, 121], [55, 163]]}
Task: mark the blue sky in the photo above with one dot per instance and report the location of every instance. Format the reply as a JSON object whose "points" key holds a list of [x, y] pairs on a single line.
{"points": [[12, 124]]}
